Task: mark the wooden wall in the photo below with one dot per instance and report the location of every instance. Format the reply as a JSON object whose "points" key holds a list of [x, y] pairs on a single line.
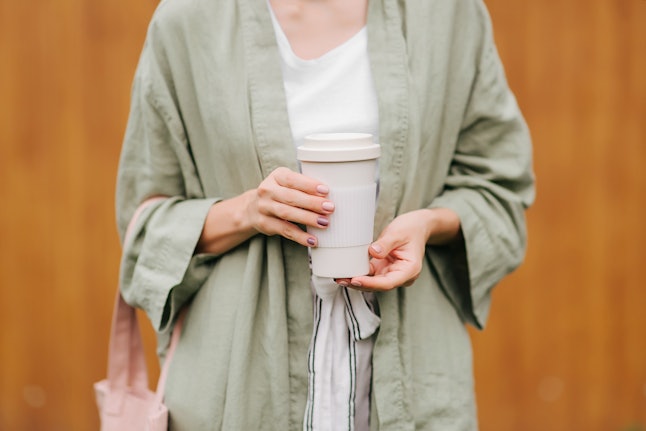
{"points": [[565, 347], [566, 344], [65, 74]]}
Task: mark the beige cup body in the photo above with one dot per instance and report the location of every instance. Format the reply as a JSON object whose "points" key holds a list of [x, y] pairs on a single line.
{"points": [[342, 250]]}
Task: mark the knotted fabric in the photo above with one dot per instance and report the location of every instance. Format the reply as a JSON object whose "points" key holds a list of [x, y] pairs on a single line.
{"points": [[339, 360]]}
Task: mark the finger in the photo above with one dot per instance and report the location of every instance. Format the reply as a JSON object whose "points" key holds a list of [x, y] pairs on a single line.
{"points": [[296, 215], [379, 283], [272, 189], [298, 199], [273, 226], [294, 180], [384, 245], [345, 282], [395, 275]]}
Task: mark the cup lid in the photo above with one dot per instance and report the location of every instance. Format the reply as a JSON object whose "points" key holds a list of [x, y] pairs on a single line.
{"points": [[338, 147]]}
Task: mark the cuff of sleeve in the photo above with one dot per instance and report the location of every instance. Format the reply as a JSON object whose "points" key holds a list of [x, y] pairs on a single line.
{"points": [[463, 275], [165, 271]]}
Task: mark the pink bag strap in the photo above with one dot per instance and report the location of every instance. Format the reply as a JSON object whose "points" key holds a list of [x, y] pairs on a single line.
{"points": [[138, 212], [126, 359], [174, 340]]}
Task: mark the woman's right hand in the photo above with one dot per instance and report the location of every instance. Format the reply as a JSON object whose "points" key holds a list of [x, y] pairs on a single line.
{"points": [[286, 199], [277, 206]]}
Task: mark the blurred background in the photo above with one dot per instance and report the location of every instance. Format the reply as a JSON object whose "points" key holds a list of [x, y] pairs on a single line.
{"points": [[565, 346]]}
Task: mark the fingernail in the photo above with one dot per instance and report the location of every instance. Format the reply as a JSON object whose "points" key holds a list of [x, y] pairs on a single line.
{"points": [[355, 283], [322, 221], [377, 248], [328, 206], [343, 283], [311, 241], [324, 190]]}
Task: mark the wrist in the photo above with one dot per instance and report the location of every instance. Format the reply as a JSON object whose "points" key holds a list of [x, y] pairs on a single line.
{"points": [[442, 226], [227, 225], [240, 215]]}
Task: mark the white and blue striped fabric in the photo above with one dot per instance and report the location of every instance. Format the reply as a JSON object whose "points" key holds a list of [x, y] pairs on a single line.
{"points": [[339, 360]]}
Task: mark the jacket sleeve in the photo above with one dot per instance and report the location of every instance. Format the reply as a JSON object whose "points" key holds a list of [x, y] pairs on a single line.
{"points": [[489, 185], [159, 271]]}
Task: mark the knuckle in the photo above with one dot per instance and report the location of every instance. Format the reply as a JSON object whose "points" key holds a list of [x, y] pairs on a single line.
{"points": [[288, 233], [263, 190], [281, 170], [262, 226], [290, 178], [281, 211], [291, 201], [281, 174], [262, 209]]}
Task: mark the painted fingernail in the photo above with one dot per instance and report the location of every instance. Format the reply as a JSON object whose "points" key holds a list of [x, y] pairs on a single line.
{"points": [[328, 206], [322, 221], [311, 241], [324, 190]]}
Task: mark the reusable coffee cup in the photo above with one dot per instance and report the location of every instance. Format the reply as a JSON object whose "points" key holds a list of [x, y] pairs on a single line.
{"points": [[347, 164]]}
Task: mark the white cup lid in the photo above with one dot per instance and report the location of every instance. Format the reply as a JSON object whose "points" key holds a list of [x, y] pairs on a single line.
{"points": [[338, 147]]}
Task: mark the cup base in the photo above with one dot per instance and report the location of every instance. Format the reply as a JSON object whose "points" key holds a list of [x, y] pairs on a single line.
{"points": [[340, 262]]}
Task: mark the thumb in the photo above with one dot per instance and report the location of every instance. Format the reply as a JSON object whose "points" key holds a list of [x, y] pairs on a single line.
{"points": [[383, 246]]}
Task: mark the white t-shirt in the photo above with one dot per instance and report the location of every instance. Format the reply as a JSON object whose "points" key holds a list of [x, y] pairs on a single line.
{"points": [[335, 94]]}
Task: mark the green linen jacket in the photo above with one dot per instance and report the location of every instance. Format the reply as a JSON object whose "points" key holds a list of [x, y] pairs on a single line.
{"points": [[208, 121]]}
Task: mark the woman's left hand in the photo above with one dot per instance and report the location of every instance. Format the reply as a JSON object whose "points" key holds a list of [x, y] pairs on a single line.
{"points": [[397, 255]]}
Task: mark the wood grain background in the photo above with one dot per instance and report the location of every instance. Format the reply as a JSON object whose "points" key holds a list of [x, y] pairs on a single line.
{"points": [[565, 347]]}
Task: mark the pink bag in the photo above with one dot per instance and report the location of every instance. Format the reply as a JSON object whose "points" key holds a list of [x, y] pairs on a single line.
{"points": [[124, 400]]}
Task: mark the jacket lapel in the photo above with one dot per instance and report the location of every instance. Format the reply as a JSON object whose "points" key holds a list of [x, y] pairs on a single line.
{"points": [[269, 119], [387, 50]]}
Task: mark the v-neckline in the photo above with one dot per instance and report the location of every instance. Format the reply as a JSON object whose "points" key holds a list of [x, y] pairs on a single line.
{"points": [[286, 46]]}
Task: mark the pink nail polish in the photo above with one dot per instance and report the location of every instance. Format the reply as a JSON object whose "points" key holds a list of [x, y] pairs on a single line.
{"points": [[324, 190], [328, 206], [311, 241]]}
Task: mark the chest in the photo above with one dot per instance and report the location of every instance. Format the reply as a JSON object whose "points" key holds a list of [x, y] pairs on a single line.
{"points": [[314, 28]]}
